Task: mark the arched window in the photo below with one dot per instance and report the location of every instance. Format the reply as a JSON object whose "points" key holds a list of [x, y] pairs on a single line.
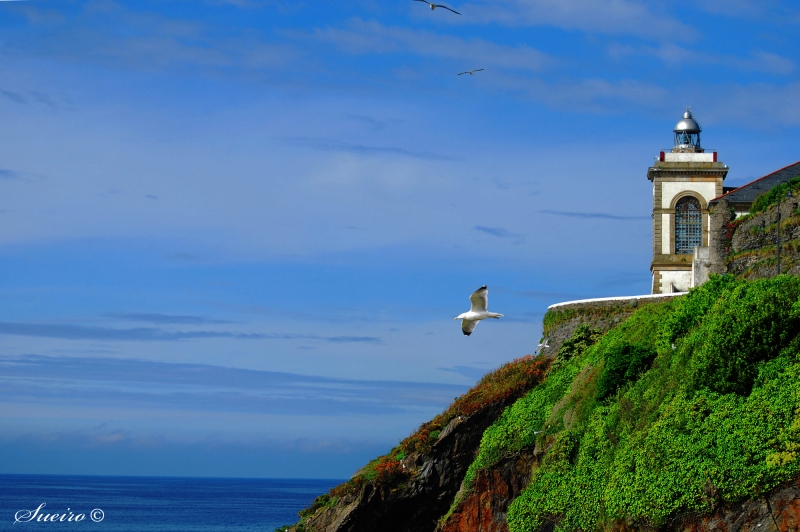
{"points": [[688, 225]]}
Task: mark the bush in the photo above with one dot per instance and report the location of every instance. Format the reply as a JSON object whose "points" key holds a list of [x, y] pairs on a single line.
{"points": [[583, 337], [692, 308], [750, 323], [623, 363], [762, 202]]}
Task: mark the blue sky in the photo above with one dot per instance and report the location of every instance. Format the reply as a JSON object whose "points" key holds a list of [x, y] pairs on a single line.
{"points": [[234, 234]]}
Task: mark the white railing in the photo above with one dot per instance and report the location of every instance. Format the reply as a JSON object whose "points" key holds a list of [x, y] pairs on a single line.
{"points": [[618, 298]]}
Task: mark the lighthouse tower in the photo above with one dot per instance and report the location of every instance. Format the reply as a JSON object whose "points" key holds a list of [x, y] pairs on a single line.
{"points": [[685, 178]]}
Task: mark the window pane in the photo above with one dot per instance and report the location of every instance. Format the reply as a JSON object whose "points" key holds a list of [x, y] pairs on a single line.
{"points": [[688, 225]]}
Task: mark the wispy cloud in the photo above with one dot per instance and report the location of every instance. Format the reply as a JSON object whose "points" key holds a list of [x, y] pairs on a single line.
{"points": [[323, 144], [13, 96], [749, 8], [466, 371], [121, 383], [374, 123], [165, 318], [761, 104], [371, 37], [152, 334], [680, 57], [9, 174], [111, 34], [594, 215], [615, 17], [499, 232]]}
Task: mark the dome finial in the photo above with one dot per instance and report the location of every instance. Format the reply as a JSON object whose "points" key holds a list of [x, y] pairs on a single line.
{"points": [[687, 134]]}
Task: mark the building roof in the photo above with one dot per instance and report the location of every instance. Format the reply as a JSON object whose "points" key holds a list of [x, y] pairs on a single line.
{"points": [[749, 192]]}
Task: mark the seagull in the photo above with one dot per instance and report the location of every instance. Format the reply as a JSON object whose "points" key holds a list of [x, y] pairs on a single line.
{"points": [[542, 346], [434, 6], [479, 300], [471, 72]]}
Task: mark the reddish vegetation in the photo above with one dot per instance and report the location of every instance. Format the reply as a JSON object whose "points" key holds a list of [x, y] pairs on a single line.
{"points": [[388, 470], [730, 228], [510, 380]]}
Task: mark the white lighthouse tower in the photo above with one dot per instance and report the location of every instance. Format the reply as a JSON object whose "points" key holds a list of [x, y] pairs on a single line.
{"points": [[685, 178]]}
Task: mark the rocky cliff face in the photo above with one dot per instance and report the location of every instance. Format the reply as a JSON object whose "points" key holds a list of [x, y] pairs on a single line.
{"points": [[779, 511], [484, 510], [418, 504]]}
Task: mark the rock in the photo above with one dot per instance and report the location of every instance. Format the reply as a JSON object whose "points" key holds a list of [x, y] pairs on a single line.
{"points": [[485, 508], [417, 505]]}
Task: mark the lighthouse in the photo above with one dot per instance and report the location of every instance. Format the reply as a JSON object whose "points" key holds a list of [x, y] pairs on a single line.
{"points": [[685, 179]]}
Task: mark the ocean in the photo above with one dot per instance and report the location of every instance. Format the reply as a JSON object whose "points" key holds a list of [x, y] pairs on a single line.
{"points": [[138, 504]]}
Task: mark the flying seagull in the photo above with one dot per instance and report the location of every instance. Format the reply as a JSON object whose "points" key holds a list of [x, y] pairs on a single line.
{"points": [[545, 344], [434, 6], [471, 72], [479, 300]]}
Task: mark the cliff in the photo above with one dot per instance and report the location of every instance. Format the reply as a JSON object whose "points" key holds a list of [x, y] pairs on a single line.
{"points": [[682, 415]]}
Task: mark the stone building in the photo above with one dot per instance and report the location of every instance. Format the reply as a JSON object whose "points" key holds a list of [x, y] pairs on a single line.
{"points": [[691, 208], [685, 180]]}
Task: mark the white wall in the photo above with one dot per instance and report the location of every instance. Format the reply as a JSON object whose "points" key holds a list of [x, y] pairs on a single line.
{"points": [[705, 189], [681, 280]]}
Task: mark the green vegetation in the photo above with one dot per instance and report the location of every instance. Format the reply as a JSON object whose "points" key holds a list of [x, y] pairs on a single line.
{"points": [[685, 405], [770, 197]]}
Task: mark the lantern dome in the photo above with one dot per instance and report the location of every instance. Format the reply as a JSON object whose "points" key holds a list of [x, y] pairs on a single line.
{"points": [[687, 134]]}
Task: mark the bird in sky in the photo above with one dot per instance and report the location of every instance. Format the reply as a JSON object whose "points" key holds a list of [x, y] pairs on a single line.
{"points": [[434, 6], [479, 300], [471, 72]]}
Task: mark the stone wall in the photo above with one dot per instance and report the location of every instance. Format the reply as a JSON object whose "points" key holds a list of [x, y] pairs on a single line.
{"points": [[562, 319], [752, 251]]}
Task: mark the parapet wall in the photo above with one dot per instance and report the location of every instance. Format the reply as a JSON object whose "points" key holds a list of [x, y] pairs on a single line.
{"points": [[562, 319]]}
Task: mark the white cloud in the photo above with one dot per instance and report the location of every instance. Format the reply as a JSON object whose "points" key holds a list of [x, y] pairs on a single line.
{"points": [[364, 37], [758, 105], [616, 17], [679, 56], [107, 34]]}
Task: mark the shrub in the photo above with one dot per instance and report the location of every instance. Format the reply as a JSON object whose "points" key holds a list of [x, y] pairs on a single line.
{"points": [[749, 324], [583, 337], [762, 202], [623, 363], [692, 308]]}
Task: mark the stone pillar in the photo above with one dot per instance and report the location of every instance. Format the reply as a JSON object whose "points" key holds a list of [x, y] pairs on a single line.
{"points": [[721, 215], [700, 265]]}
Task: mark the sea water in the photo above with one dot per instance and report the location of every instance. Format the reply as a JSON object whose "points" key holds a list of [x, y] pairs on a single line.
{"points": [[137, 504]]}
